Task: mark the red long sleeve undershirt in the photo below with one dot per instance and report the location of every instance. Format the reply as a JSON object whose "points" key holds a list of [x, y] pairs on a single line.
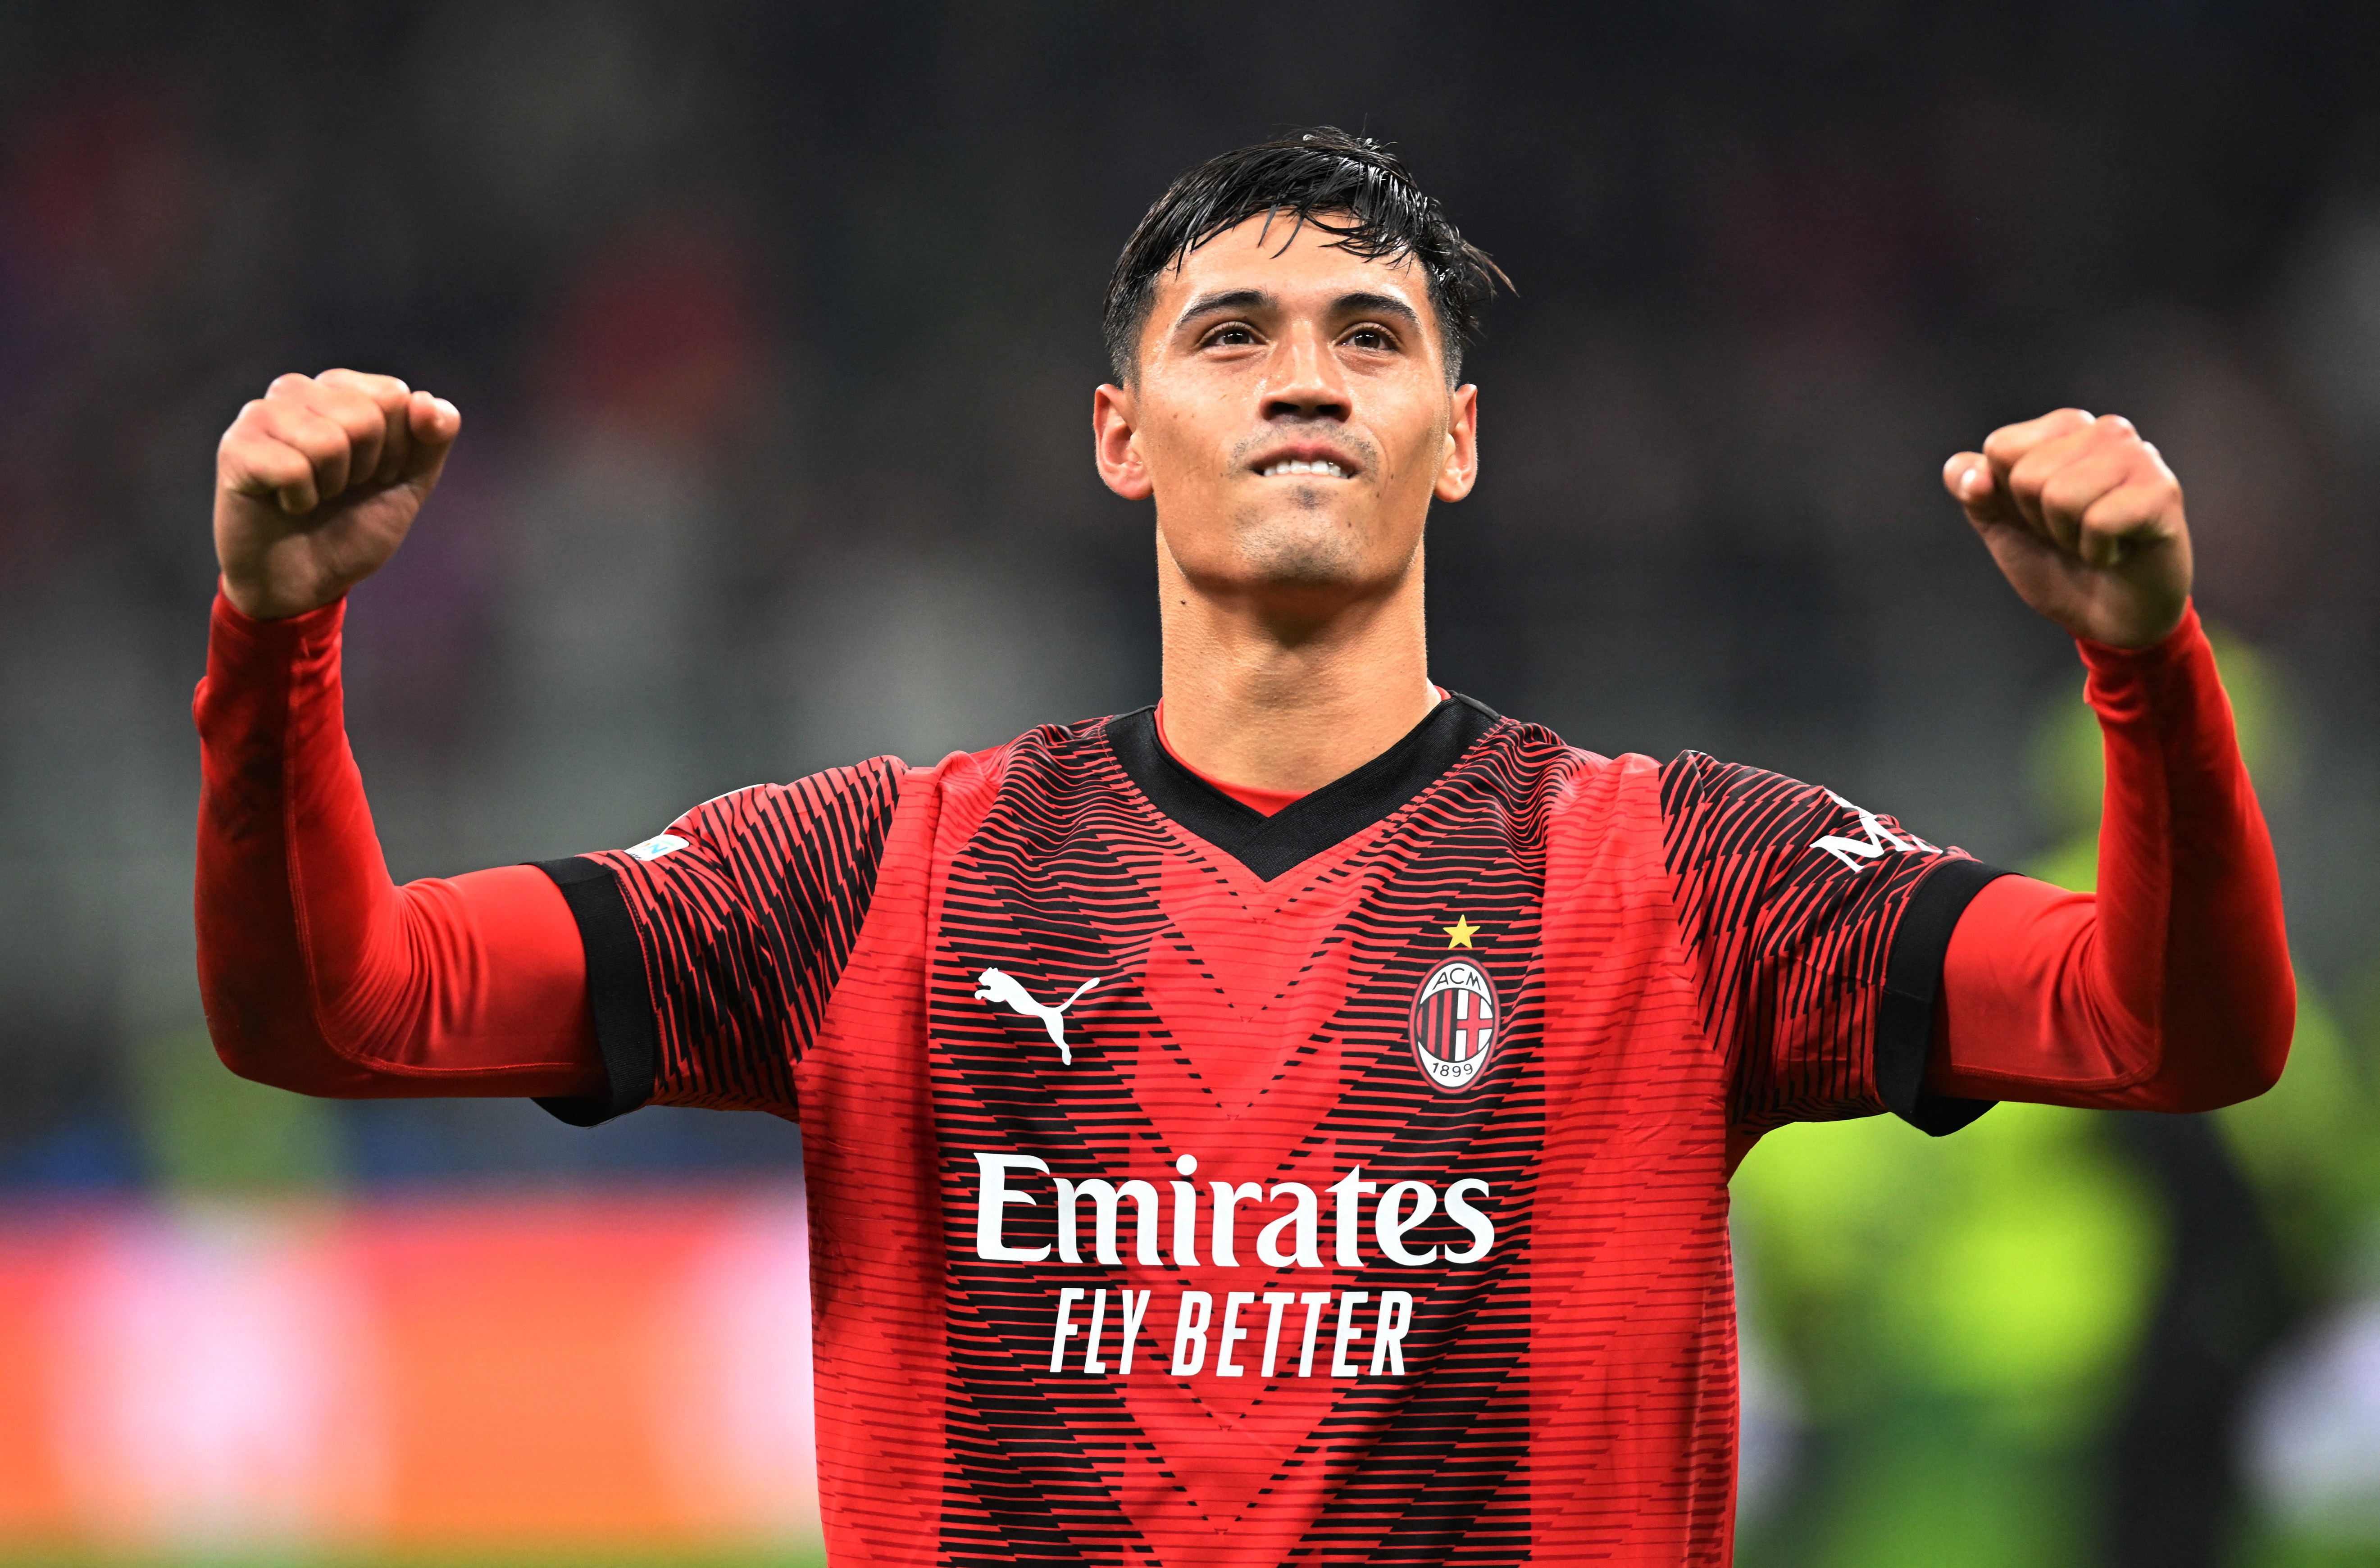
{"points": [[2170, 990], [319, 974]]}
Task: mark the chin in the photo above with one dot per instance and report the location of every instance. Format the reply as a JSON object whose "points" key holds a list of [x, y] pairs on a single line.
{"points": [[1292, 542], [1315, 549]]}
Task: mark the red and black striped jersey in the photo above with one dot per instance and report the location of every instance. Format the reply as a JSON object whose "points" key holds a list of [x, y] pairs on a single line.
{"points": [[1196, 1186]]}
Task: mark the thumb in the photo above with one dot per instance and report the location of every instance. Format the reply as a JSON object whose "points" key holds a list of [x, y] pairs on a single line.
{"points": [[434, 423], [1968, 478]]}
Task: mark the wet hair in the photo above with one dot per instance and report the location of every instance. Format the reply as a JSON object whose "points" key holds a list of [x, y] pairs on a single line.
{"points": [[1349, 186]]}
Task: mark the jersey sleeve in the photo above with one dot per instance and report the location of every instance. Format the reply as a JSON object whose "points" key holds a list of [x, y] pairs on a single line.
{"points": [[712, 948], [1818, 931]]}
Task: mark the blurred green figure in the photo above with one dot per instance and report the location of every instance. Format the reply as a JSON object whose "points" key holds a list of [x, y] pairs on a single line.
{"points": [[206, 1135], [2027, 1346]]}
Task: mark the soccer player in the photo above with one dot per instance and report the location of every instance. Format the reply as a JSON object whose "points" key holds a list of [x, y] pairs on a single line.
{"points": [[1293, 1122]]}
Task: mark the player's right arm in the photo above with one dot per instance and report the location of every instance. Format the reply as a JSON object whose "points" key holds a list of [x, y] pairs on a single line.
{"points": [[318, 973]]}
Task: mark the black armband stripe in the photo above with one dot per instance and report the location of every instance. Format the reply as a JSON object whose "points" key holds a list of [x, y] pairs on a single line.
{"points": [[1913, 979], [616, 994]]}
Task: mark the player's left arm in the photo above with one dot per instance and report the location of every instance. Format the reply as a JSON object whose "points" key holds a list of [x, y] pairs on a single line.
{"points": [[2170, 989]]}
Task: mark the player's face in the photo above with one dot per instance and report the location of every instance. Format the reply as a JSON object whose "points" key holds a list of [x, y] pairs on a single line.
{"points": [[1292, 415]]}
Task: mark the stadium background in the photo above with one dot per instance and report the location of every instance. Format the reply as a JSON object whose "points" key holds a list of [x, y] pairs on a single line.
{"points": [[774, 327]]}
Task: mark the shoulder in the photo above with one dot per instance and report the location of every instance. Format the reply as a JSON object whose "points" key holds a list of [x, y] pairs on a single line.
{"points": [[1081, 744], [864, 792], [1716, 812], [1534, 755], [1701, 805], [889, 783], [1577, 804], [1695, 785], [1711, 808], [1044, 765], [1695, 782]]}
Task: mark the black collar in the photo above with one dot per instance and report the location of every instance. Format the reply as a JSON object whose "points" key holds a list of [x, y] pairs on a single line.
{"points": [[1339, 810]]}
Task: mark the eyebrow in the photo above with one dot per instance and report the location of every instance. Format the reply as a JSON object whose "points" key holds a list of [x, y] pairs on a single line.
{"points": [[1225, 299], [1360, 303], [1376, 305]]}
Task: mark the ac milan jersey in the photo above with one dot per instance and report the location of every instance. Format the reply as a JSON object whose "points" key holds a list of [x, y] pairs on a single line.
{"points": [[1192, 1186]]}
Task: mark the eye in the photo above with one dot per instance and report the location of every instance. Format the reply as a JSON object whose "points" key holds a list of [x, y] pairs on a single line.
{"points": [[1370, 336], [1232, 335]]}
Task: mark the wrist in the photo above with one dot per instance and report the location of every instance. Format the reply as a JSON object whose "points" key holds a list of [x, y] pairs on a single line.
{"points": [[2151, 683], [247, 625], [257, 601], [2184, 632]]}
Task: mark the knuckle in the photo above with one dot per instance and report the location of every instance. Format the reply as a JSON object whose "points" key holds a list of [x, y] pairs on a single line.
{"points": [[373, 387], [2102, 513], [2070, 511]]}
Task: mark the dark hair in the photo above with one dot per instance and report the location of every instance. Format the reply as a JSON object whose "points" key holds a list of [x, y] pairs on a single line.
{"points": [[1349, 186]]}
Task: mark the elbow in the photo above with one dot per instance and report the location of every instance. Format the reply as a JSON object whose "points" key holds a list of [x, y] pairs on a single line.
{"points": [[2263, 1037], [269, 1041], [2217, 1092], [2267, 1054], [255, 1048], [2235, 1060]]}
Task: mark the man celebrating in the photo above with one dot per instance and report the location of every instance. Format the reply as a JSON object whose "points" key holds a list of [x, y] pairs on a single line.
{"points": [[1293, 1122]]}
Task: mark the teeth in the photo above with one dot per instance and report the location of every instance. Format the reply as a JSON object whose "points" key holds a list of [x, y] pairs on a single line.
{"points": [[1298, 466]]}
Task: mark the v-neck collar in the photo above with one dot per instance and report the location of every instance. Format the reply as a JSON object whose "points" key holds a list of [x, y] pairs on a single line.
{"points": [[1304, 828]]}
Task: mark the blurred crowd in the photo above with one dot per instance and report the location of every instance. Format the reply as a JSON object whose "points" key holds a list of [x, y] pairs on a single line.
{"points": [[774, 329]]}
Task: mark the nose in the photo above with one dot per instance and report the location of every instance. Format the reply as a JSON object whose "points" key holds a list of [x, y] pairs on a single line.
{"points": [[1307, 381]]}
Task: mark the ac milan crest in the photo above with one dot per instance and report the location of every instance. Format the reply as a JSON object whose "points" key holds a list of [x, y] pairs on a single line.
{"points": [[1454, 1024]]}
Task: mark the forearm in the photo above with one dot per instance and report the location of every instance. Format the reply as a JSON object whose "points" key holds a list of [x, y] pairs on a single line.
{"points": [[2169, 990], [318, 974]]}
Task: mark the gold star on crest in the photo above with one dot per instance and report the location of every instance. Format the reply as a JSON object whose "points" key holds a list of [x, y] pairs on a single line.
{"points": [[1460, 933]]}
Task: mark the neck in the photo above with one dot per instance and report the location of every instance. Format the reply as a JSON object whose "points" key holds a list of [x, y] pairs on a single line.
{"points": [[1289, 692]]}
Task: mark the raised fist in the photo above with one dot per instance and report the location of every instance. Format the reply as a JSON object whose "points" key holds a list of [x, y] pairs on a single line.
{"points": [[2085, 520], [317, 483]]}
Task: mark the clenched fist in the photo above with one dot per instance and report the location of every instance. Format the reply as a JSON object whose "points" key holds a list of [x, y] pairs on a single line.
{"points": [[2085, 520], [316, 483]]}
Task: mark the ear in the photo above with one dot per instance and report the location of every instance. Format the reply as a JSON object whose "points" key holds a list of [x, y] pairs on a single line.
{"points": [[1112, 429], [1460, 470]]}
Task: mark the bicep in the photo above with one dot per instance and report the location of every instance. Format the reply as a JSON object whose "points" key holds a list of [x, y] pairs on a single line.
{"points": [[483, 993], [1799, 909], [2026, 1012], [735, 930]]}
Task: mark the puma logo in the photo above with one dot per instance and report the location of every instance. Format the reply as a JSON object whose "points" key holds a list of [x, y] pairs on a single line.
{"points": [[1001, 988]]}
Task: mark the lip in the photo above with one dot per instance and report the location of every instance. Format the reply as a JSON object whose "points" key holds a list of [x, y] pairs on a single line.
{"points": [[1307, 452]]}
